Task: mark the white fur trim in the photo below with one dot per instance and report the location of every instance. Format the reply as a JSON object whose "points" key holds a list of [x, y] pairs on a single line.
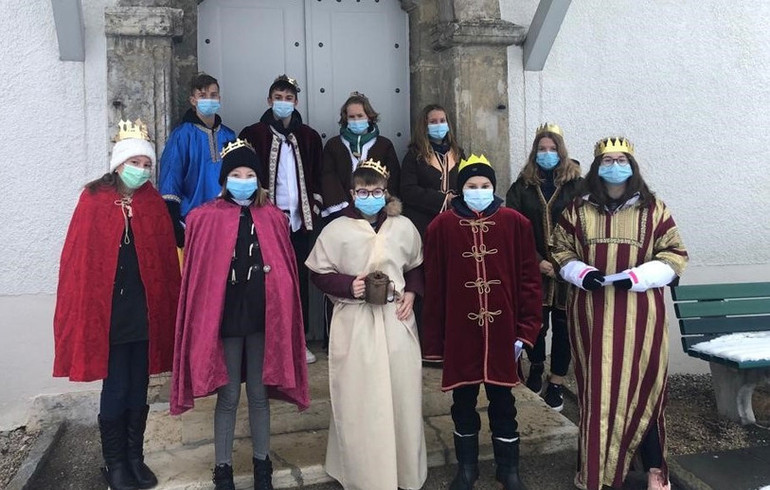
{"points": [[125, 149]]}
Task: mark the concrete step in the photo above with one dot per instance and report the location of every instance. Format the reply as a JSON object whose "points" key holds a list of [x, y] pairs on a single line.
{"points": [[181, 452]]}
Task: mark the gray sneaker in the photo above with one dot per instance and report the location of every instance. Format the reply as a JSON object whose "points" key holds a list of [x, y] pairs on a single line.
{"points": [[309, 356]]}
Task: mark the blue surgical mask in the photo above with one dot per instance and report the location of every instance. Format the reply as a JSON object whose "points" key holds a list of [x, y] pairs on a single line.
{"points": [[358, 126], [547, 159], [208, 107], [134, 177], [370, 205], [282, 108], [615, 174], [241, 189], [438, 131], [478, 199]]}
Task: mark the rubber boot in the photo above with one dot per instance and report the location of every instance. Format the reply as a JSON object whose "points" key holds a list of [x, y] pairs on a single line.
{"points": [[137, 422], [507, 461], [223, 477], [467, 452], [114, 441], [263, 474]]}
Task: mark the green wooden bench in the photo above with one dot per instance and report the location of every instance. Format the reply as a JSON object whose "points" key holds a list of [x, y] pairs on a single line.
{"points": [[707, 315]]}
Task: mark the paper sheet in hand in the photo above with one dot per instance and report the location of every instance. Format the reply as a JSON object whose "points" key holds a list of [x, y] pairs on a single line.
{"points": [[615, 278]]}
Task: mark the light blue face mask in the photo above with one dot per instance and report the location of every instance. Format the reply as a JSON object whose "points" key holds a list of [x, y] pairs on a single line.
{"points": [[370, 205], [615, 174], [358, 126], [438, 131], [282, 108], [478, 199], [547, 159], [208, 107], [241, 189]]}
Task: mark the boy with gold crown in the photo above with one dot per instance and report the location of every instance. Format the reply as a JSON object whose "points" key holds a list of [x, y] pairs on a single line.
{"points": [[484, 297], [116, 300], [376, 438]]}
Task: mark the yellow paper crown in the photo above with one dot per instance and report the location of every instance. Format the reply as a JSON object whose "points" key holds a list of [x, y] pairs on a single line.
{"points": [[548, 128], [376, 166], [286, 78], [132, 130], [472, 160], [238, 143], [613, 145]]}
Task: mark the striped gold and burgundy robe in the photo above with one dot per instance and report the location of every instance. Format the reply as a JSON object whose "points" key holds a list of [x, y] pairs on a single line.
{"points": [[619, 338]]}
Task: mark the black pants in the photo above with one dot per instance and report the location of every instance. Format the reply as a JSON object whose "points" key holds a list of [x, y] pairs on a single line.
{"points": [[560, 349], [502, 410], [300, 241], [651, 449], [125, 386]]}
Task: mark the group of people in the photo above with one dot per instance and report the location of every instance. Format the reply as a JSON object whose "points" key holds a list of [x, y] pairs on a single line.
{"points": [[421, 262]]}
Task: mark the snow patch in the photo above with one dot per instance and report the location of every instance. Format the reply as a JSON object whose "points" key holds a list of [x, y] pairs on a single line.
{"points": [[739, 347]]}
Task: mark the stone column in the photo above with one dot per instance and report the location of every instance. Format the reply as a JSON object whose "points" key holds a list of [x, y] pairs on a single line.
{"points": [[459, 58], [140, 66]]}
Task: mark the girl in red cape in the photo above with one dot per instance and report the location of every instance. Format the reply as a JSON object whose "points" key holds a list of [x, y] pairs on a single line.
{"points": [[239, 311], [116, 300]]}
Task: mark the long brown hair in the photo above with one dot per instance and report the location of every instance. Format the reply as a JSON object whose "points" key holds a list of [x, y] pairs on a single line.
{"points": [[420, 143], [595, 186], [565, 171], [110, 179], [358, 98]]}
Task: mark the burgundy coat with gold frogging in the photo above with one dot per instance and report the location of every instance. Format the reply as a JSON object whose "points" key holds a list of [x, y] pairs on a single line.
{"points": [[482, 294]]}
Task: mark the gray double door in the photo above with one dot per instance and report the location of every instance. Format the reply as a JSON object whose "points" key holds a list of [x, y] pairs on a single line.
{"points": [[332, 47]]}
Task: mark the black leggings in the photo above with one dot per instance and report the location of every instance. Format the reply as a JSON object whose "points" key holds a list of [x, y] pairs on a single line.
{"points": [[560, 349], [502, 411], [651, 449], [128, 377]]}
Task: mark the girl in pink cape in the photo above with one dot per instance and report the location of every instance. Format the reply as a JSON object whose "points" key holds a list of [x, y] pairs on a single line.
{"points": [[239, 306]]}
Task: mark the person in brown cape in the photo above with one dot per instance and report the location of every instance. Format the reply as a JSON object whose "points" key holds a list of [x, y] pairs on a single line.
{"points": [[482, 304], [619, 246], [239, 306], [116, 300]]}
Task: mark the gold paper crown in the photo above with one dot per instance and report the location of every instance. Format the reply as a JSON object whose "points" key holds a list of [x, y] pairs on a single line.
{"points": [[472, 160], [238, 143], [376, 166], [132, 130], [548, 128], [286, 78], [613, 145]]}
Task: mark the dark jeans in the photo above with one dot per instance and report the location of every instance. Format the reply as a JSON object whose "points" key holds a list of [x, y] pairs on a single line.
{"points": [[560, 349], [300, 241], [502, 410], [125, 386], [651, 449]]}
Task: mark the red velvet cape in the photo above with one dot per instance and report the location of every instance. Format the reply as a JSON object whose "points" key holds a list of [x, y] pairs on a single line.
{"points": [[476, 350], [199, 361], [89, 261]]}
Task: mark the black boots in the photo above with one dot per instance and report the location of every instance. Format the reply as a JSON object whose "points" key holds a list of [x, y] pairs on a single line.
{"points": [[467, 452], [263, 474], [223, 477], [507, 461], [116, 470], [137, 422], [535, 378]]}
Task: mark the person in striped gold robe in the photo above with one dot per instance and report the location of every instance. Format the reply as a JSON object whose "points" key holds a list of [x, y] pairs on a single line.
{"points": [[619, 246]]}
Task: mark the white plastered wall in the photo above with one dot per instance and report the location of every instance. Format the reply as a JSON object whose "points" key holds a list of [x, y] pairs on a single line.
{"points": [[688, 83], [54, 118]]}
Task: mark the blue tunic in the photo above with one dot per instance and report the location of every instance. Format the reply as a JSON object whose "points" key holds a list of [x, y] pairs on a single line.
{"points": [[190, 163]]}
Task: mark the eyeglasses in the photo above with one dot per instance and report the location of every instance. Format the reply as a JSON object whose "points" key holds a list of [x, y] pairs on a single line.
{"points": [[607, 161], [376, 193]]}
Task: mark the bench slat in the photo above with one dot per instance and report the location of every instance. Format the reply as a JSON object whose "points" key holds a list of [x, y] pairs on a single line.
{"points": [[729, 362], [721, 291], [721, 325], [722, 308]]}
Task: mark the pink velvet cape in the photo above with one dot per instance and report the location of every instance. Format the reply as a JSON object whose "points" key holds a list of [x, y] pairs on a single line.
{"points": [[199, 364]]}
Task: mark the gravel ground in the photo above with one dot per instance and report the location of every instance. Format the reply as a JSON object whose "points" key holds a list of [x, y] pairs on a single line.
{"points": [[692, 424]]}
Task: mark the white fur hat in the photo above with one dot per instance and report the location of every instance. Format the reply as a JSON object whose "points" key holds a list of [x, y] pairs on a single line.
{"points": [[127, 148]]}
